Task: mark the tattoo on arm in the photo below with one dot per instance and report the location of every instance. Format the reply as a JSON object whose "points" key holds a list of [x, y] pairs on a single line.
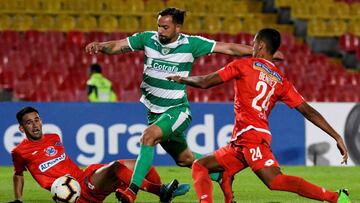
{"points": [[123, 50], [113, 47], [110, 50]]}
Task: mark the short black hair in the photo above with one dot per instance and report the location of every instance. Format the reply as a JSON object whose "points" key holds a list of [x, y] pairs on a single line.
{"points": [[20, 114], [178, 15], [95, 68], [271, 37]]}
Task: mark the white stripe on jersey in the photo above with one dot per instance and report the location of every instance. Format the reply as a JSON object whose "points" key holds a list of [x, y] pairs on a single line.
{"points": [[128, 41], [163, 93], [177, 57], [155, 108], [162, 75], [250, 127]]}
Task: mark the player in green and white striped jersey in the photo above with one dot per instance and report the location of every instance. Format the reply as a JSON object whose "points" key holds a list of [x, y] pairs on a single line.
{"points": [[167, 52]]}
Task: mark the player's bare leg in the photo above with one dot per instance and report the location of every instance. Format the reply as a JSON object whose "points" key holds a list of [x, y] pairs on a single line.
{"points": [[152, 176], [150, 137], [226, 181], [202, 181], [105, 177], [275, 180], [117, 175], [226, 186], [130, 163], [186, 158]]}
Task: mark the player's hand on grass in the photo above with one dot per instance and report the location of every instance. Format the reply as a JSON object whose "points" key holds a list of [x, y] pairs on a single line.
{"points": [[342, 148], [94, 48], [175, 78]]}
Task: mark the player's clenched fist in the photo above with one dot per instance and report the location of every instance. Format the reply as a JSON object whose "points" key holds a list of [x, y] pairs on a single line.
{"points": [[94, 47]]}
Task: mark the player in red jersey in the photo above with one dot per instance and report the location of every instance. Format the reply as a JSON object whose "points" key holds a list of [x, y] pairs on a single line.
{"points": [[43, 155], [258, 86]]}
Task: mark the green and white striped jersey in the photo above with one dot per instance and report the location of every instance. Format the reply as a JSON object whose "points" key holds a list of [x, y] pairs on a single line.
{"points": [[160, 61]]}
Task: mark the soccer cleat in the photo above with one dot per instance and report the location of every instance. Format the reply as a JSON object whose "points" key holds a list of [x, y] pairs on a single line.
{"points": [[181, 190], [167, 191], [226, 186], [126, 196], [343, 196]]}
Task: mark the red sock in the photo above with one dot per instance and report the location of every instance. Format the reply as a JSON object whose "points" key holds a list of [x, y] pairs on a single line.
{"points": [[226, 187], [124, 175], [202, 183], [151, 187], [302, 188], [153, 176]]}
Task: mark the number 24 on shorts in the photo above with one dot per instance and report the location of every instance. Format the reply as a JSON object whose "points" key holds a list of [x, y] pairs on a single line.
{"points": [[256, 154]]}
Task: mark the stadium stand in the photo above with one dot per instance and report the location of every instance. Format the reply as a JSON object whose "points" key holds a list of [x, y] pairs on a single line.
{"points": [[42, 43]]}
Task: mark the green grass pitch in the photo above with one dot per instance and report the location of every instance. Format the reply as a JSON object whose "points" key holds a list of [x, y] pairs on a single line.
{"points": [[247, 187]]}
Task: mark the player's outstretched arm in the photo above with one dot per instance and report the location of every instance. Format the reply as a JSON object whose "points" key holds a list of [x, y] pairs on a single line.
{"points": [[109, 47], [317, 119], [18, 183], [204, 81], [233, 49], [241, 50]]}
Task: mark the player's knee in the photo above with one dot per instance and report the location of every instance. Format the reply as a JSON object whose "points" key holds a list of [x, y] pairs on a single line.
{"points": [[149, 137], [185, 161], [110, 169], [114, 165], [197, 165], [200, 162]]}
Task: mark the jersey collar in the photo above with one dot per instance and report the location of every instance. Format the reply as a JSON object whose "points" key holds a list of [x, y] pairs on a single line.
{"points": [[180, 40]]}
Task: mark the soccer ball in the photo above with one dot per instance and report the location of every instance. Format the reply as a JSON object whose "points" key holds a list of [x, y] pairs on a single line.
{"points": [[65, 189]]}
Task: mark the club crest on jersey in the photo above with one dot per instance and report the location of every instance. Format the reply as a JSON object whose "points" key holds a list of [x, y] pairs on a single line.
{"points": [[50, 151], [165, 50], [263, 68]]}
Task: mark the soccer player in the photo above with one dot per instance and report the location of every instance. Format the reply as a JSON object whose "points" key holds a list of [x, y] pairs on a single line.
{"points": [[167, 52], [43, 155], [259, 84]]}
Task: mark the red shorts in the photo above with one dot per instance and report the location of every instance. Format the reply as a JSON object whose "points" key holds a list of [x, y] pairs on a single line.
{"points": [[88, 191], [243, 152]]}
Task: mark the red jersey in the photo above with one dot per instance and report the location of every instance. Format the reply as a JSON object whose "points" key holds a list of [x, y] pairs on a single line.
{"points": [[45, 159], [258, 86]]}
